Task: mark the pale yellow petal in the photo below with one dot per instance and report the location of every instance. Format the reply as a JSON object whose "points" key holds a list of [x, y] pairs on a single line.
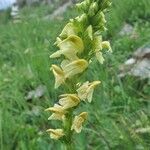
{"points": [[69, 48], [69, 100], [75, 67], [56, 133], [90, 90], [56, 116], [82, 91], [78, 121], [58, 112], [86, 90], [59, 75], [90, 95]]}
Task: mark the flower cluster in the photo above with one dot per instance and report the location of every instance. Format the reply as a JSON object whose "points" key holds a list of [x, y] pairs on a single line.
{"points": [[79, 42]]}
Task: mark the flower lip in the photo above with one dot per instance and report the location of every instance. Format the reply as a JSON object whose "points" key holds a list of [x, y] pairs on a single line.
{"points": [[56, 133]]}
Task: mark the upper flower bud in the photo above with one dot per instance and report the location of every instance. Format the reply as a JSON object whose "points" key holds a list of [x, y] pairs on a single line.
{"points": [[93, 9]]}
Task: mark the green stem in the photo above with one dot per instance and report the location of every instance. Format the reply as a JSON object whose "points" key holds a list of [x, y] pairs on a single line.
{"points": [[67, 125]]}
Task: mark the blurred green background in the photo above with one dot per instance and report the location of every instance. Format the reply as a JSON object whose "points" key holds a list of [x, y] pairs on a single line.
{"points": [[119, 107]]}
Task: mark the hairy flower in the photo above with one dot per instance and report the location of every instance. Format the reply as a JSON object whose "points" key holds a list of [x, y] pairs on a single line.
{"points": [[69, 48], [56, 133], [86, 90], [69, 100], [78, 121], [59, 75]]}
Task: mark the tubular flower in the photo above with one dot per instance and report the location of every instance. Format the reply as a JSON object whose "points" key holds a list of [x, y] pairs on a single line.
{"points": [[75, 67], [69, 48], [78, 121], [86, 90], [58, 112], [69, 100], [59, 75], [56, 133]]}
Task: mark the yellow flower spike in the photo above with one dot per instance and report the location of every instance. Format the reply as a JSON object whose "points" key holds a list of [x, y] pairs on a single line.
{"points": [[59, 75], [86, 90], [106, 44], [69, 100], [58, 112], [69, 29], [69, 48], [56, 133], [75, 67], [78, 121]]}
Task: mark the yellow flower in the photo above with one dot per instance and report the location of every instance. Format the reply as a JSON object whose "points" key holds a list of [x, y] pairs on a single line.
{"points": [[69, 100], [59, 75], [69, 29], [106, 44], [86, 90], [75, 67], [78, 121], [58, 112], [69, 48], [56, 133]]}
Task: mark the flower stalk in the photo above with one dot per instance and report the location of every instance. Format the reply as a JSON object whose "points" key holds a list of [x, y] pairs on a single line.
{"points": [[80, 42]]}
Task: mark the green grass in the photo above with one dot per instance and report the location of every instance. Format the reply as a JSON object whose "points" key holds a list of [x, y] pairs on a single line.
{"points": [[118, 105]]}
